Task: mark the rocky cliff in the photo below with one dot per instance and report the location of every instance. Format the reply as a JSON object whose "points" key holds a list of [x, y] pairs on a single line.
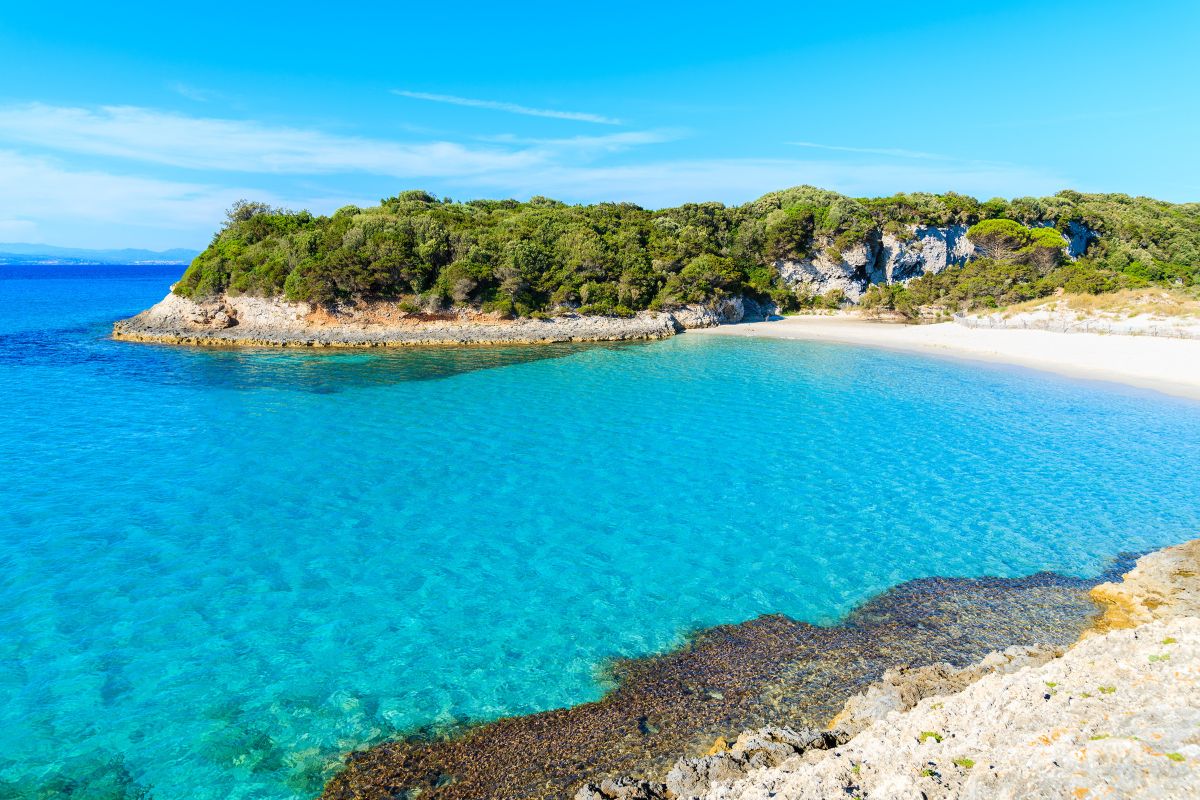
{"points": [[883, 257], [1117, 715]]}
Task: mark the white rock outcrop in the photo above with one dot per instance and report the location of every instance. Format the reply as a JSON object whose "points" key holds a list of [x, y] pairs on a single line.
{"points": [[926, 250], [888, 258], [822, 273], [1115, 716], [879, 258], [1066, 320], [273, 322], [1118, 716]]}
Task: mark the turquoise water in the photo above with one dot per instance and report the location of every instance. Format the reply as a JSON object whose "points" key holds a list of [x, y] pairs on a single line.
{"points": [[220, 569]]}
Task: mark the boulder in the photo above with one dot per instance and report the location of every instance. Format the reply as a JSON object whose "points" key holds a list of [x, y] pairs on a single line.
{"points": [[766, 747], [725, 310], [622, 789]]}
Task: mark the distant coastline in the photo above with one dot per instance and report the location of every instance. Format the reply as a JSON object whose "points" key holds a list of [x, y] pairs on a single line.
{"points": [[22, 254]]}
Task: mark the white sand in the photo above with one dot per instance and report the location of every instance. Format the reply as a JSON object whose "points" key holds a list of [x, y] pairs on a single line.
{"points": [[1167, 365]]}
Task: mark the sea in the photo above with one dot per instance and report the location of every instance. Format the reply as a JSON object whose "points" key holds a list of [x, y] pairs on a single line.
{"points": [[223, 569]]}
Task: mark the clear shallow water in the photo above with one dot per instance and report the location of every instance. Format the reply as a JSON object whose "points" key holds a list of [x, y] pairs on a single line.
{"points": [[219, 569]]}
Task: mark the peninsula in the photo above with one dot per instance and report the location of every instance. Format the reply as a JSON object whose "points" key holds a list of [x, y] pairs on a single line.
{"points": [[422, 270]]}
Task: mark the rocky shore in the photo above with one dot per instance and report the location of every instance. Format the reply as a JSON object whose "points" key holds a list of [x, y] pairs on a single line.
{"points": [[244, 320], [1116, 715], [769, 671]]}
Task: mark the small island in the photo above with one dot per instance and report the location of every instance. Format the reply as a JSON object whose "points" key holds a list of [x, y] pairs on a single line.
{"points": [[417, 269]]}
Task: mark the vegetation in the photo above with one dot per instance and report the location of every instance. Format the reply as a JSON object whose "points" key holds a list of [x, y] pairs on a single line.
{"points": [[616, 258], [1160, 302], [1140, 243]]}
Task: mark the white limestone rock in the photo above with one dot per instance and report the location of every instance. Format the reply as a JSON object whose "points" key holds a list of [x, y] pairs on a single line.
{"points": [[824, 273], [1117, 716]]}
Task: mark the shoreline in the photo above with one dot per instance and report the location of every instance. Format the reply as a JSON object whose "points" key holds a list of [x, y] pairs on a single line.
{"points": [[248, 321], [724, 679], [1113, 714], [1167, 365]]}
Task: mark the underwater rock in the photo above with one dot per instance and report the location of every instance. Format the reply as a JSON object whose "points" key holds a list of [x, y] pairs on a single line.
{"points": [[768, 671]]}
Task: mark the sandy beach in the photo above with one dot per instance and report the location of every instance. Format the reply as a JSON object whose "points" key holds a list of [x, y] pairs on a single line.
{"points": [[1171, 366]]}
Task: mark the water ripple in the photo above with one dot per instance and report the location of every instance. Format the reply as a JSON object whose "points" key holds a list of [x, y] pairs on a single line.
{"points": [[219, 570]]}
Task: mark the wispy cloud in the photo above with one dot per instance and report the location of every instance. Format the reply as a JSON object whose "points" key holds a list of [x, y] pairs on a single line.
{"points": [[35, 186], [511, 108], [94, 176], [193, 92], [737, 180], [105, 209], [17, 229], [201, 143], [608, 143], [875, 151]]}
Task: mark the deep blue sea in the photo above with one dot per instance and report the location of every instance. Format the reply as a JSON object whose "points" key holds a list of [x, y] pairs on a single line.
{"points": [[221, 569]]}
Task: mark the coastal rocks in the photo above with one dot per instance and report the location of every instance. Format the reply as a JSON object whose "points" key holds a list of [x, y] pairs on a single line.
{"points": [[824, 273], [179, 316], [927, 251], [692, 777], [273, 322], [1066, 320], [770, 670], [622, 789], [1117, 715], [900, 689], [691, 317], [223, 316], [724, 311], [767, 747], [1164, 585]]}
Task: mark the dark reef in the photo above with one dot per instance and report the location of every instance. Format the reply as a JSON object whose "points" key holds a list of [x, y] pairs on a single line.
{"points": [[769, 670]]}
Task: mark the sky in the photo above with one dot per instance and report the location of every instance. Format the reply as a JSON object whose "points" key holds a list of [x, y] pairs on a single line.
{"points": [[136, 125]]}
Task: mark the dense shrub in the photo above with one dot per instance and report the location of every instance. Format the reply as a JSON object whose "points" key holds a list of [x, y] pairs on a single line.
{"points": [[526, 258]]}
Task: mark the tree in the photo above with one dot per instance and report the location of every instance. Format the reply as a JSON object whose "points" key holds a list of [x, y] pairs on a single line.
{"points": [[244, 210], [999, 238]]}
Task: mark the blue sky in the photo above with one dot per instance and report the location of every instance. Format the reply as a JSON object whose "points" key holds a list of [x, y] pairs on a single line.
{"points": [[137, 125]]}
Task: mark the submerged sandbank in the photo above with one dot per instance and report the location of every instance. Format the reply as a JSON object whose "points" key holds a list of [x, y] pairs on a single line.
{"points": [[1168, 365]]}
